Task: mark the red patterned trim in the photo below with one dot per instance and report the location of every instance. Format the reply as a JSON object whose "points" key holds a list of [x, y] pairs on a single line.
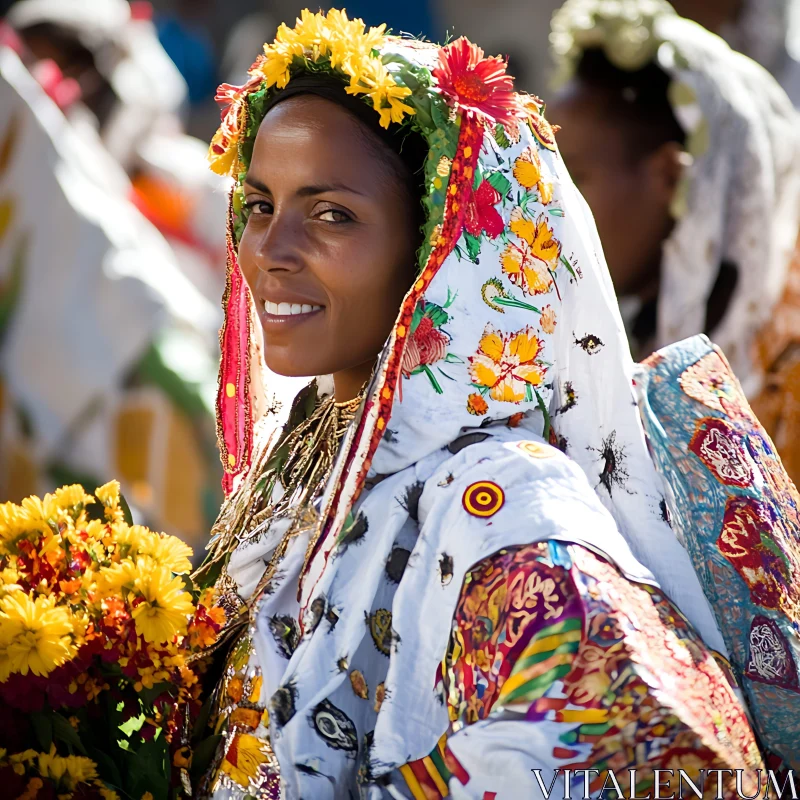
{"points": [[234, 401]]}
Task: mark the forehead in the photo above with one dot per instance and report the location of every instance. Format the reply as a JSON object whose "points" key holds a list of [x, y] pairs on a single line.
{"points": [[307, 135]]}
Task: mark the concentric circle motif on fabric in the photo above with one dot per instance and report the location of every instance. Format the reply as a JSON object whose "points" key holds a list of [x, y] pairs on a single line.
{"points": [[535, 449], [483, 499]]}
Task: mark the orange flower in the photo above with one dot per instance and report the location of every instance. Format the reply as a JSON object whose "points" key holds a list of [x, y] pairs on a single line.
{"points": [[235, 689], [548, 319], [477, 405], [528, 171], [506, 363], [529, 263], [70, 587]]}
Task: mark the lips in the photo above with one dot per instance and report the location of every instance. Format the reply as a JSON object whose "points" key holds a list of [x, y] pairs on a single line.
{"points": [[289, 309]]}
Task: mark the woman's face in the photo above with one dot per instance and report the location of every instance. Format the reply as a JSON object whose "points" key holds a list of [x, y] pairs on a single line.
{"points": [[329, 247]]}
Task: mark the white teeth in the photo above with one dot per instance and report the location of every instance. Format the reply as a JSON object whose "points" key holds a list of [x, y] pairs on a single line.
{"points": [[288, 309]]}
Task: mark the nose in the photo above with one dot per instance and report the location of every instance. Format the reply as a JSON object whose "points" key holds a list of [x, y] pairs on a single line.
{"points": [[278, 245]]}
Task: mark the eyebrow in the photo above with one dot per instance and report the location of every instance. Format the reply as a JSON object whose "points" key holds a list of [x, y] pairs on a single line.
{"points": [[307, 191]]}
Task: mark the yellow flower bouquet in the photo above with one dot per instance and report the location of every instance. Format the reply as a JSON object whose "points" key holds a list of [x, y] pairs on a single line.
{"points": [[98, 628]]}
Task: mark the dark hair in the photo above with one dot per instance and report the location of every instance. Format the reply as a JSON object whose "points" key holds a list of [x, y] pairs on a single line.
{"points": [[638, 99]]}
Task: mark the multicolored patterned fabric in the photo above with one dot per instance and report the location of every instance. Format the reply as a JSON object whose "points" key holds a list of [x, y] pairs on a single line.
{"points": [[553, 635], [738, 514]]}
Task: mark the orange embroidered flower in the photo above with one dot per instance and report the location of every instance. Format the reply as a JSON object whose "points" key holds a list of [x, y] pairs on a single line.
{"points": [[474, 84], [506, 363], [529, 262], [477, 405], [528, 171], [548, 319]]}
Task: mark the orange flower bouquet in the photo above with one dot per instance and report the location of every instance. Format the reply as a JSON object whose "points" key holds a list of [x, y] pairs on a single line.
{"points": [[98, 628]]}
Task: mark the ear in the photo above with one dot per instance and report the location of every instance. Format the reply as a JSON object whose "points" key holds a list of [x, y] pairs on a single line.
{"points": [[664, 168]]}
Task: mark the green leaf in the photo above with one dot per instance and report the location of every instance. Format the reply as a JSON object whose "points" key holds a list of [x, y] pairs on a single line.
{"points": [[202, 756], [499, 182], [568, 266], [42, 724], [201, 723], [150, 770], [545, 414], [500, 137], [556, 212], [132, 725], [126, 509], [64, 732], [437, 315], [473, 246], [416, 317], [106, 767], [478, 179]]}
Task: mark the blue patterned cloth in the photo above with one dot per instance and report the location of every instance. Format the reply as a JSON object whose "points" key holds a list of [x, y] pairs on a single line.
{"points": [[732, 504]]}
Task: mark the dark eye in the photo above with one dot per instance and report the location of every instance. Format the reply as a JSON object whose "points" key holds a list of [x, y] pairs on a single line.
{"points": [[259, 207], [334, 215]]}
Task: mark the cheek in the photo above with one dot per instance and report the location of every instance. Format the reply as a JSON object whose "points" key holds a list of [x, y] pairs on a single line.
{"points": [[246, 256]]}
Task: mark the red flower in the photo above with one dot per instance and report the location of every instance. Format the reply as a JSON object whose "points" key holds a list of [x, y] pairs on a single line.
{"points": [[475, 84], [482, 214], [427, 345]]}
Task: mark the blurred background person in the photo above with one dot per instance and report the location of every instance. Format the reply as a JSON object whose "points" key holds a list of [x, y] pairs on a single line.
{"points": [[767, 31], [133, 97], [107, 349], [688, 154]]}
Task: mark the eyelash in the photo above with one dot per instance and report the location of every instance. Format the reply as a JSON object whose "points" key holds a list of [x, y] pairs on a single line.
{"points": [[249, 207]]}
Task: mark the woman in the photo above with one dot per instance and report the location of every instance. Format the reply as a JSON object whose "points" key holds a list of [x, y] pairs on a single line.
{"points": [[425, 597], [765, 30], [689, 157]]}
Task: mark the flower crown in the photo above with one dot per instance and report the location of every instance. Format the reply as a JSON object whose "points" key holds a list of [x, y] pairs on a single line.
{"points": [[398, 89], [624, 29]]}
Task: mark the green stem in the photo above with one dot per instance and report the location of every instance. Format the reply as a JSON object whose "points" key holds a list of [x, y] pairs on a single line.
{"points": [[438, 389], [512, 303]]}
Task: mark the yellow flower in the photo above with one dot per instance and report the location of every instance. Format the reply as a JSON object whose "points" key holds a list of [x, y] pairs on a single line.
{"points": [[108, 493], [506, 363], [528, 262], [35, 635], [68, 497], [244, 756], [111, 580], [67, 771], [170, 552], [528, 171], [106, 794], [162, 607]]}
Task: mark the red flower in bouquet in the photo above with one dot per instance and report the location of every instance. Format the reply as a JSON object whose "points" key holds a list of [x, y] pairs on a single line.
{"points": [[482, 214], [475, 84]]}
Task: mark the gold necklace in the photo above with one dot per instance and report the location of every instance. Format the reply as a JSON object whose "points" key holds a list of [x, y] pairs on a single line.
{"points": [[299, 465]]}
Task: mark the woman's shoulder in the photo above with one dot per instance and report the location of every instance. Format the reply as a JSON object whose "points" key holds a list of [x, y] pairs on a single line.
{"points": [[501, 490]]}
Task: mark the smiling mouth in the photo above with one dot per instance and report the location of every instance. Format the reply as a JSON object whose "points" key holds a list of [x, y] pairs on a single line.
{"points": [[289, 309]]}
